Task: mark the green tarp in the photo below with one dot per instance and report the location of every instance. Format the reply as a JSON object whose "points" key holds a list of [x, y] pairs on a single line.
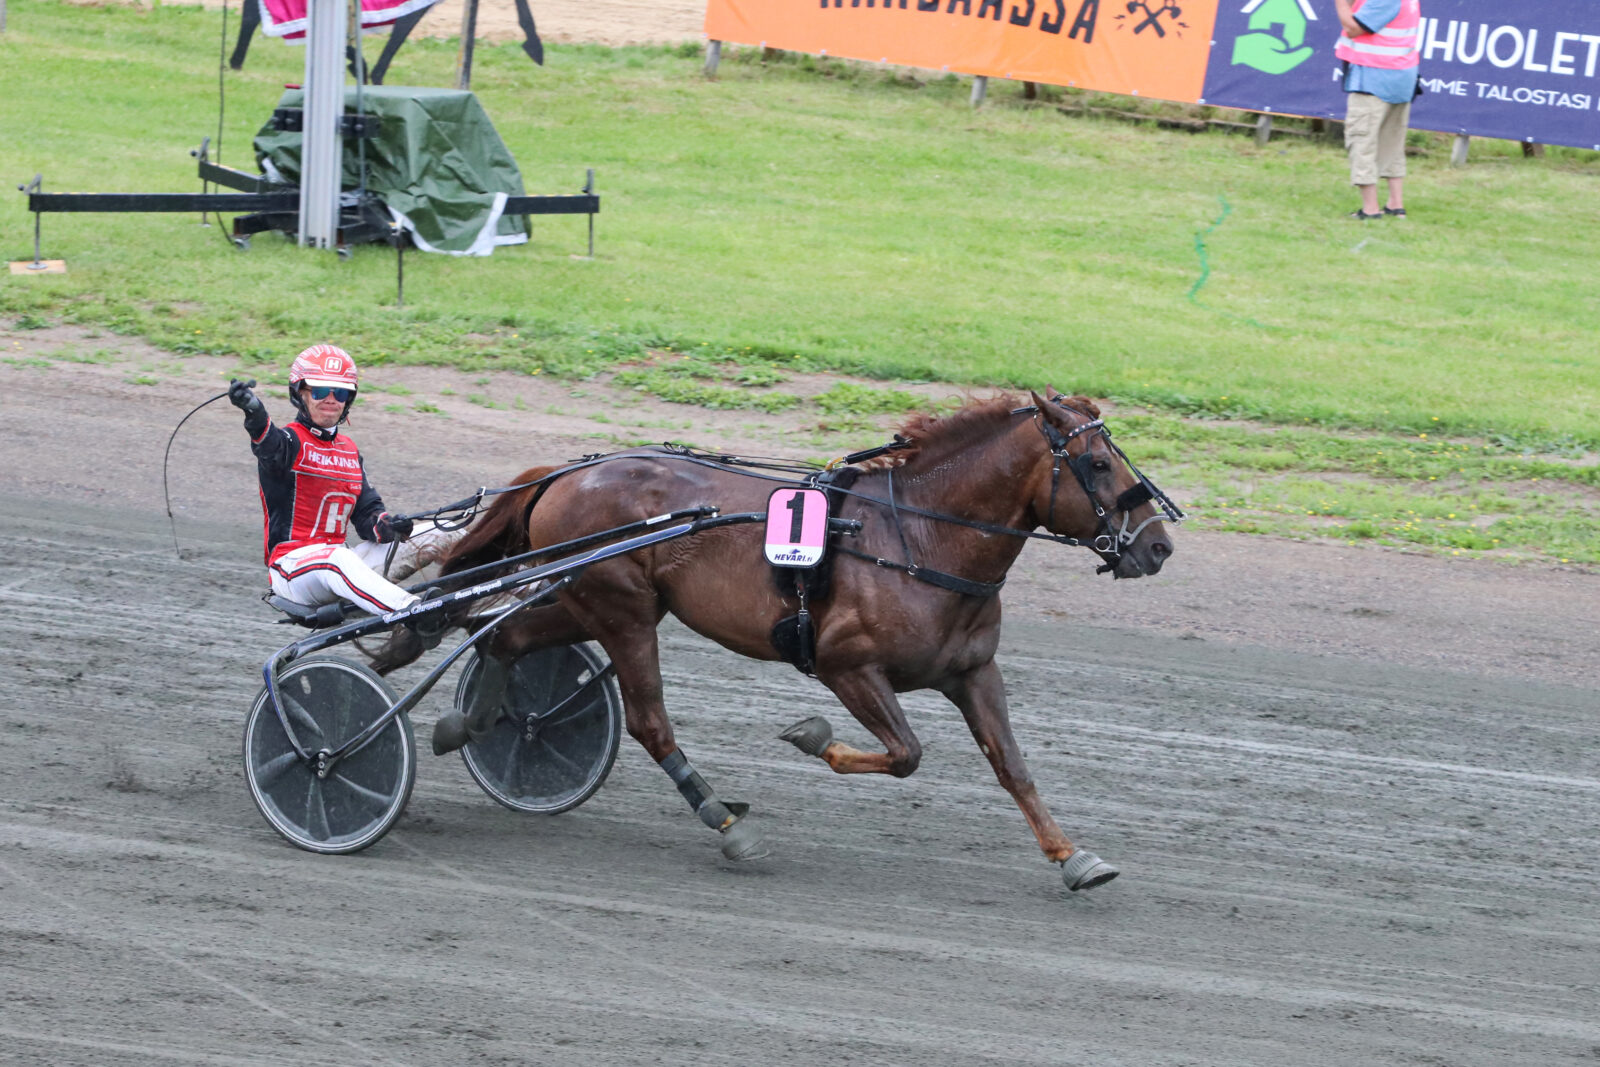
{"points": [[437, 163]]}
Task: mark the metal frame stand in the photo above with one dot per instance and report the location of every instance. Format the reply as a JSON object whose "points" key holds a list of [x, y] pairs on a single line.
{"points": [[322, 146]]}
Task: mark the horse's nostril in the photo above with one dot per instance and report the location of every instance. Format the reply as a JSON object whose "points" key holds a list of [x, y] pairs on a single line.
{"points": [[1161, 549]]}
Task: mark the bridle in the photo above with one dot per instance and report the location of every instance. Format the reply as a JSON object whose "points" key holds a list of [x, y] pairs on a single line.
{"points": [[1111, 541]]}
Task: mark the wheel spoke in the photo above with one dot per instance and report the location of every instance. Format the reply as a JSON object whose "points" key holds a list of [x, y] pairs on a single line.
{"points": [[316, 812], [563, 758], [546, 680], [297, 712], [513, 758], [273, 769], [585, 707], [381, 800]]}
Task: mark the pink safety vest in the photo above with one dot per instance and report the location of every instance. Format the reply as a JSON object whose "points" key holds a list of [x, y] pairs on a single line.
{"points": [[1392, 47]]}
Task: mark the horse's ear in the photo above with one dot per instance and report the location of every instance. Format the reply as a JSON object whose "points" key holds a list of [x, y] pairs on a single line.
{"points": [[1039, 401], [1085, 405]]}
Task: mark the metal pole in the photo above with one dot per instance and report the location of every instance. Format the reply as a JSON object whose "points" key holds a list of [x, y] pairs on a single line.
{"points": [[980, 88], [1263, 129], [321, 145], [713, 55], [469, 34], [1458, 150]]}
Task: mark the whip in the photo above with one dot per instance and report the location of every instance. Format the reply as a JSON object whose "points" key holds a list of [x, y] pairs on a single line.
{"points": [[166, 495]]}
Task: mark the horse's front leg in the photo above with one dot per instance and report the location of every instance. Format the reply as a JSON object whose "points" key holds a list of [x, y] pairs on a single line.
{"points": [[981, 696], [870, 698]]}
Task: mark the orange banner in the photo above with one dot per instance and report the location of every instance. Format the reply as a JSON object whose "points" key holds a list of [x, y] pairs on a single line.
{"points": [[1138, 48]]}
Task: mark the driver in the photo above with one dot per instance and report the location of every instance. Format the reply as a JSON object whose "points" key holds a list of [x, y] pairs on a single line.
{"points": [[314, 486]]}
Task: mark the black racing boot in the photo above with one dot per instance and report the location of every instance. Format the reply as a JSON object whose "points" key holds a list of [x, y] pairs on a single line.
{"points": [[455, 728]]}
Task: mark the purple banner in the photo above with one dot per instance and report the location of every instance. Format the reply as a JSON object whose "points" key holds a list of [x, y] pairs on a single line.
{"points": [[1523, 71]]}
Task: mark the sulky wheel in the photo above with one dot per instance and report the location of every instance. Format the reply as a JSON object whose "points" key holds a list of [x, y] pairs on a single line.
{"points": [[557, 738], [328, 702]]}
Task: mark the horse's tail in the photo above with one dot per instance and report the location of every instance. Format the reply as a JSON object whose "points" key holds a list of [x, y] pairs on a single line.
{"points": [[499, 532]]}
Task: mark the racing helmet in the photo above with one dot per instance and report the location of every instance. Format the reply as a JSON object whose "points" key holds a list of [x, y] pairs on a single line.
{"points": [[323, 364]]}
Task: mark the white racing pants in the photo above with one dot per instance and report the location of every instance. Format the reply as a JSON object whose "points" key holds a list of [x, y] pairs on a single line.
{"points": [[323, 574]]}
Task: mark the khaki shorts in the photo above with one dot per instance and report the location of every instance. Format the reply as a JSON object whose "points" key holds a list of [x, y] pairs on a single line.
{"points": [[1375, 138]]}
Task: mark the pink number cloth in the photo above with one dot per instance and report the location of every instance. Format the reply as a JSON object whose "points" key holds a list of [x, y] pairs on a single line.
{"points": [[797, 527]]}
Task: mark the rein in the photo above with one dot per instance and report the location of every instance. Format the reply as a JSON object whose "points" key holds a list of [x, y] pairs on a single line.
{"points": [[1108, 543]]}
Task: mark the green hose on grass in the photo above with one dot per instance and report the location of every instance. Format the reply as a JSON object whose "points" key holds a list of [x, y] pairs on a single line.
{"points": [[1205, 270]]}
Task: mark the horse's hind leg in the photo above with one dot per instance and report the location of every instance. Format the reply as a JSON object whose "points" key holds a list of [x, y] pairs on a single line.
{"points": [[635, 654], [535, 628], [981, 696]]}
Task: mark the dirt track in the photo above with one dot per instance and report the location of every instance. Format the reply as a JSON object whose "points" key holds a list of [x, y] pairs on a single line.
{"points": [[1386, 854]]}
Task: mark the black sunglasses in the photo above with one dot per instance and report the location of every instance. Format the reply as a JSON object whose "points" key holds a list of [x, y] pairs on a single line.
{"points": [[321, 392]]}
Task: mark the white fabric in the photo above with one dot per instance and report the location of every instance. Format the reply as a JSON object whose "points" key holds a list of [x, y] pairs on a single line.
{"points": [[486, 241], [323, 574]]}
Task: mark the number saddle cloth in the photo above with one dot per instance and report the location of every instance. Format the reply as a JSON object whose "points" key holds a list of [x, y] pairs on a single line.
{"points": [[793, 637]]}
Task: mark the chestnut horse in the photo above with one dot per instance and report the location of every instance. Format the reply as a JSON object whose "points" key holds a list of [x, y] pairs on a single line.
{"points": [[912, 603]]}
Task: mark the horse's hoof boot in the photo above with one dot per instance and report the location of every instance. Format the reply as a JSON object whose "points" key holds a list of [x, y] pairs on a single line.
{"points": [[743, 841], [810, 736], [1084, 870], [449, 733]]}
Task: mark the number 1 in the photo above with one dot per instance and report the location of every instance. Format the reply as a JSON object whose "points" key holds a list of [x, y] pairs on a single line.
{"points": [[796, 504]]}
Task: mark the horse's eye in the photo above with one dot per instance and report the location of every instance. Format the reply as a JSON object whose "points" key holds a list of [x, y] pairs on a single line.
{"points": [[1102, 465]]}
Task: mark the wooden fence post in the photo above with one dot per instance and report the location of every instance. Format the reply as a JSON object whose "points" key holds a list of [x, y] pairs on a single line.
{"points": [[980, 88], [1458, 150], [713, 57]]}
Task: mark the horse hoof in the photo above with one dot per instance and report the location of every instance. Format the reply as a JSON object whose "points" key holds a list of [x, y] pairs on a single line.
{"points": [[1084, 870], [449, 733], [810, 736], [743, 841]]}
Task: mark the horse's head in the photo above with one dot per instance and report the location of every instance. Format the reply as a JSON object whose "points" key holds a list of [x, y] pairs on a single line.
{"points": [[1087, 489]]}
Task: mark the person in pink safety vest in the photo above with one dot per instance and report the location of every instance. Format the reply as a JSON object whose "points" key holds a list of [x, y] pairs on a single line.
{"points": [[1379, 49]]}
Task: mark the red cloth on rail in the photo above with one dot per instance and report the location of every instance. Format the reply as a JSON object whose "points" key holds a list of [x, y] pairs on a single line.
{"points": [[287, 18]]}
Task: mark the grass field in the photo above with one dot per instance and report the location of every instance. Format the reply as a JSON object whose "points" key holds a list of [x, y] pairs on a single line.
{"points": [[1432, 381]]}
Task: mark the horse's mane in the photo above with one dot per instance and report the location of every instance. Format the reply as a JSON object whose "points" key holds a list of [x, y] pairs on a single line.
{"points": [[972, 421]]}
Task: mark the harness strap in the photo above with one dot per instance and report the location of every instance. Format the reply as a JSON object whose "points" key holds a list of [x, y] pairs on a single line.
{"points": [[900, 441], [1100, 543], [953, 582]]}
